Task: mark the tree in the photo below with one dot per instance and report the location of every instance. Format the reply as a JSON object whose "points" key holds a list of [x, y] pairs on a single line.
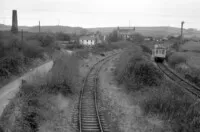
{"points": [[138, 38], [63, 37], [113, 37], [46, 40]]}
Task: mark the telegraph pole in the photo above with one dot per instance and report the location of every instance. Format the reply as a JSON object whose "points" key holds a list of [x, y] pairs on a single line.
{"points": [[182, 31], [22, 36], [39, 26]]}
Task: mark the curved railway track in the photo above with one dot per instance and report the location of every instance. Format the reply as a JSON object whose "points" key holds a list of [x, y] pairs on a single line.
{"points": [[89, 117], [193, 89]]}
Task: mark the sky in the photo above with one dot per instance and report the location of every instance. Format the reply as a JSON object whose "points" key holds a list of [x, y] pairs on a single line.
{"points": [[103, 13]]}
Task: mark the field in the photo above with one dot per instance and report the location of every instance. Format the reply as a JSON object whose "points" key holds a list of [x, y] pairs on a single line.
{"points": [[191, 46], [191, 50], [153, 31]]}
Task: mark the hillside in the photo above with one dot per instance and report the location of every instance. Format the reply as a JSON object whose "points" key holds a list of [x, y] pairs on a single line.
{"points": [[65, 29], [153, 31], [146, 31]]}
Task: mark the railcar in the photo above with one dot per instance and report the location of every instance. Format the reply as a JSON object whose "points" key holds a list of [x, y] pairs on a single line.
{"points": [[159, 53]]}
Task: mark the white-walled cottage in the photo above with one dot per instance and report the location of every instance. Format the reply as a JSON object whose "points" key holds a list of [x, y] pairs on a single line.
{"points": [[86, 40]]}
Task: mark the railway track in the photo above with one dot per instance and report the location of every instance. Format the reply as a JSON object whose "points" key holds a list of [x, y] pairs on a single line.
{"points": [[191, 88], [89, 117]]}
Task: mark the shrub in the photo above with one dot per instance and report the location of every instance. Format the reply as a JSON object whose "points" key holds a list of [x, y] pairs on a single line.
{"points": [[104, 48], [13, 43], [32, 51], [168, 54], [147, 74], [177, 58], [82, 53], [45, 39], [63, 37], [137, 38], [74, 46], [173, 105], [113, 37], [135, 71], [64, 75], [11, 64], [146, 49]]}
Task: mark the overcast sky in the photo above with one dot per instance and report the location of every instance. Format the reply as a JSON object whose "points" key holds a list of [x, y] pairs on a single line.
{"points": [[103, 13]]}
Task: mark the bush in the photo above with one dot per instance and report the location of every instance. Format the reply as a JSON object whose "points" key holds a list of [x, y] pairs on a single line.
{"points": [[13, 43], [63, 37], [11, 64], [176, 58], [135, 71], [137, 38], [173, 105], [74, 46], [46, 39], [147, 74], [146, 49], [82, 53], [104, 48], [113, 37], [64, 75], [32, 51]]}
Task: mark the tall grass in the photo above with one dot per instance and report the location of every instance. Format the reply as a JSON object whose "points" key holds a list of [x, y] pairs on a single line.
{"points": [[174, 106]]}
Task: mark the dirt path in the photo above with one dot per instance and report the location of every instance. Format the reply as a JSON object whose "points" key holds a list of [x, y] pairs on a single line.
{"points": [[119, 107]]}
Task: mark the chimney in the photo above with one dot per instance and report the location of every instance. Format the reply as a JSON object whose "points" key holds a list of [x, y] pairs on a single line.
{"points": [[14, 28]]}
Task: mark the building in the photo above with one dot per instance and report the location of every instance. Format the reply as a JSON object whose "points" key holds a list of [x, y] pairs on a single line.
{"points": [[14, 28], [87, 40], [125, 33]]}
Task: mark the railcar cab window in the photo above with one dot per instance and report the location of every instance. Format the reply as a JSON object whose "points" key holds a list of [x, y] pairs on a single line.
{"points": [[156, 51]]}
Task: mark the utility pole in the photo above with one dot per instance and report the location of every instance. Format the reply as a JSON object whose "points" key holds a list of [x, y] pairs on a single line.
{"points": [[22, 36], [39, 26], [182, 32]]}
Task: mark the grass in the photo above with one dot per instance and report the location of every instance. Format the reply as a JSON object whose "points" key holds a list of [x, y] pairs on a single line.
{"points": [[159, 97], [191, 46], [33, 104], [174, 106], [177, 58]]}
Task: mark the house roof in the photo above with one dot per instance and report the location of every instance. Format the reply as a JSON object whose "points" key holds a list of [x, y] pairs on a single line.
{"points": [[87, 38]]}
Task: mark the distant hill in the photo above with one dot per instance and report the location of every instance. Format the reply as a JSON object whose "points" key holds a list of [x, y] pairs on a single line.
{"points": [[146, 31], [153, 31], [54, 29]]}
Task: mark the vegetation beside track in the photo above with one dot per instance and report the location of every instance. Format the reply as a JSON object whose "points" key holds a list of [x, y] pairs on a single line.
{"points": [[156, 95], [43, 104], [18, 55], [185, 62], [38, 102]]}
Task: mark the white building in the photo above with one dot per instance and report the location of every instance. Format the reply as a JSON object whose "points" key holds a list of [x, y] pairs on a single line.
{"points": [[86, 40]]}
